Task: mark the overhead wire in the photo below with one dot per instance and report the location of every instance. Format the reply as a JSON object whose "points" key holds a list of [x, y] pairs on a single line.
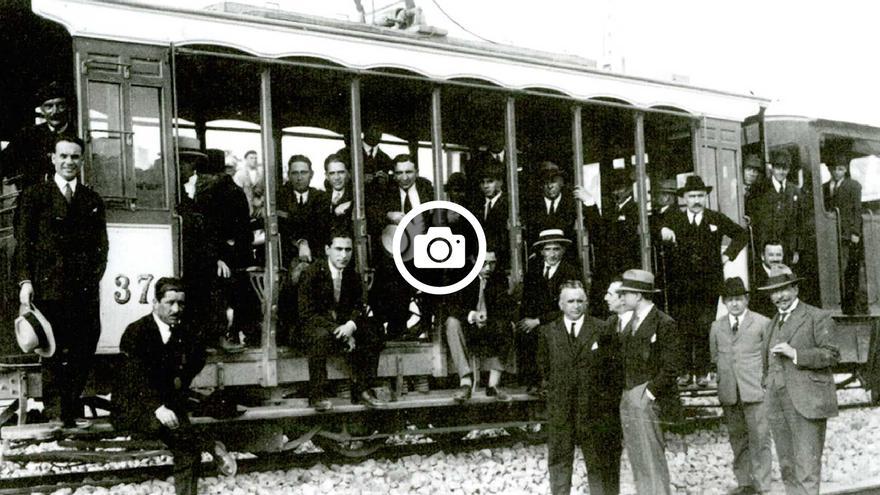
{"points": [[460, 25]]}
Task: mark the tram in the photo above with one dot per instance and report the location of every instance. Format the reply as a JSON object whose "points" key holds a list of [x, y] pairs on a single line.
{"points": [[150, 78]]}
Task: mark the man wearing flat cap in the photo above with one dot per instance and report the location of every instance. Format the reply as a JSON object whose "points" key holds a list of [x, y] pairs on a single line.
{"points": [[736, 344], [651, 358], [777, 211], [696, 270], [798, 358], [25, 161]]}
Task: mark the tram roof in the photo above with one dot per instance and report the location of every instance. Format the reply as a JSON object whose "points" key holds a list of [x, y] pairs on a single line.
{"points": [[275, 35]]}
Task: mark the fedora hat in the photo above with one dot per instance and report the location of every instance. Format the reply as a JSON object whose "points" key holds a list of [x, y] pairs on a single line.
{"points": [[667, 186], [753, 161], [780, 158], [492, 170], [734, 287], [636, 280], [551, 236], [780, 276], [34, 333], [52, 90], [694, 183]]}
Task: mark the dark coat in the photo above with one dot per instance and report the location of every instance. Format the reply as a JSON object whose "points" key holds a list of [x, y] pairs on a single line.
{"points": [[540, 297], [696, 272], [495, 226], [497, 335], [618, 238], [847, 199], [344, 221], [318, 311], [779, 216], [153, 374], [654, 355], [25, 161], [226, 213], [537, 218], [389, 200], [61, 248], [759, 301], [310, 221]]}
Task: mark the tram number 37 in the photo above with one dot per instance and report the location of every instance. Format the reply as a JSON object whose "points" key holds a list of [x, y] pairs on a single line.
{"points": [[123, 288]]}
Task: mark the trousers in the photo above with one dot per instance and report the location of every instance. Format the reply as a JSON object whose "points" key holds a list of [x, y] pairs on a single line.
{"points": [[644, 442]]}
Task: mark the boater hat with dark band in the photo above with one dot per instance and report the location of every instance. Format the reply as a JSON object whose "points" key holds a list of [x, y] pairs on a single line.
{"points": [[548, 236], [780, 276], [637, 281], [34, 333]]}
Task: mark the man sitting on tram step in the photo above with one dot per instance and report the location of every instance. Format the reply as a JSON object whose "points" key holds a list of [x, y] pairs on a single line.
{"points": [[777, 212], [736, 344], [160, 357], [492, 211], [340, 198], [332, 322], [843, 195], [540, 301], [772, 253], [696, 271], [386, 213], [26, 160], [578, 359], [480, 322], [551, 208], [798, 357], [60, 257]]}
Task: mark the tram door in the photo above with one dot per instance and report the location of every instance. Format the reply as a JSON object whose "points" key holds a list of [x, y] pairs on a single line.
{"points": [[124, 106]]}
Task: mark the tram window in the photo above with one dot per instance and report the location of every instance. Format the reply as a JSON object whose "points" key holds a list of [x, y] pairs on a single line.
{"points": [[104, 171], [147, 141], [863, 159]]}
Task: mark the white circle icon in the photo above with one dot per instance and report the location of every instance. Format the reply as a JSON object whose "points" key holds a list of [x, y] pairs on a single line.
{"points": [[439, 248]]}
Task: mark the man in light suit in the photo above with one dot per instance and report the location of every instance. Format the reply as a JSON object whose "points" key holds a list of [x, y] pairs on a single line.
{"points": [[736, 343], [61, 252], [798, 358], [576, 357]]}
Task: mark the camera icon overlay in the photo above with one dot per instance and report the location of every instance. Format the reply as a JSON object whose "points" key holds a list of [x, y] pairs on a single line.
{"points": [[439, 247]]}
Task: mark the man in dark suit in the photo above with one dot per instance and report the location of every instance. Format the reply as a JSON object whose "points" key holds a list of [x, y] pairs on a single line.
{"points": [[696, 271], [576, 355], [340, 195], [61, 253], [651, 355], [772, 254], [798, 357], [540, 300], [664, 200], [479, 322], [493, 211], [551, 209], [377, 164], [843, 196], [736, 343], [160, 357], [332, 321], [26, 160], [777, 211], [302, 209], [410, 191]]}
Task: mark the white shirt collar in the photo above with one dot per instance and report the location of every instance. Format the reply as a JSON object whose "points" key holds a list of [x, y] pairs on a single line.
{"points": [[303, 195], [696, 218], [577, 325], [413, 195], [493, 200], [552, 269], [551, 202], [336, 194], [367, 149], [623, 320], [790, 309], [777, 185], [334, 272], [732, 319], [164, 329], [60, 182], [642, 313]]}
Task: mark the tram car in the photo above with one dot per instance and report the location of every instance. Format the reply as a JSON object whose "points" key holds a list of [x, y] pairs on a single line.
{"points": [[153, 82]]}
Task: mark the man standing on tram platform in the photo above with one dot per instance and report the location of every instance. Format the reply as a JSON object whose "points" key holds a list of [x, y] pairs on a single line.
{"points": [[777, 210], [843, 196], [696, 270]]}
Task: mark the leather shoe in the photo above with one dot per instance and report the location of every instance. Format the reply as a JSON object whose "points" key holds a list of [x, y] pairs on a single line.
{"points": [[499, 394], [223, 460], [369, 399], [321, 405], [463, 394]]}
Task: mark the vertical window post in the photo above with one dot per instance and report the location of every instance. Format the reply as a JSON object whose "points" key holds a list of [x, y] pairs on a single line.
{"points": [[642, 191], [357, 178], [583, 238], [270, 296], [516, 268], [437, 143]]}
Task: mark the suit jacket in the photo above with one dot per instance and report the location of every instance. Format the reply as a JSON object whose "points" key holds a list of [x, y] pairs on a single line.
{"points": [[810, 382], [344, 221], [654, 355], [25, 161], [537, 218], [847, 199], [389, 201], [495, 226], [226, 213], [695, 267], [61, 248], [540, 297], [496, 335], [154, 373], [381, 162], [759, 301], [618, 238], [582, 375], [310, 221], [739, 357], [318, 310], [779, 215]]}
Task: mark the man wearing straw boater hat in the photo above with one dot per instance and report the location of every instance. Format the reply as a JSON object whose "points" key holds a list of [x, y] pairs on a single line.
{"points": [[798, 356], [695, 270], [651, 357], [736, 343]]}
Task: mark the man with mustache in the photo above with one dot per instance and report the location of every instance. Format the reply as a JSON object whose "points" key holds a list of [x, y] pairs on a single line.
{"points": [[696, 271]]}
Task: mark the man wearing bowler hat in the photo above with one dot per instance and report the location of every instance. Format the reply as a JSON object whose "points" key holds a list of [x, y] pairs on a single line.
{"points": [[798, 357], [651, 358], [695, 272], [777, 211], [736, 343]]}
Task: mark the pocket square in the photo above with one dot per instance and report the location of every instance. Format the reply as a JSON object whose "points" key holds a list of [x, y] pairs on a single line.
{"points": [[713, 227], [653, 338], [595, 346]]}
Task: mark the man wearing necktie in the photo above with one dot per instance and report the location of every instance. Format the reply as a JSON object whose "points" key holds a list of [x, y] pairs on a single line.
{"points": [[843, 197], [340, 194], [492, 210], [553, 208], [479, 323], [736, 342], [577, 360], [160, 357], [798, 357], [60, 256], [651, 358], [777, 212]]}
